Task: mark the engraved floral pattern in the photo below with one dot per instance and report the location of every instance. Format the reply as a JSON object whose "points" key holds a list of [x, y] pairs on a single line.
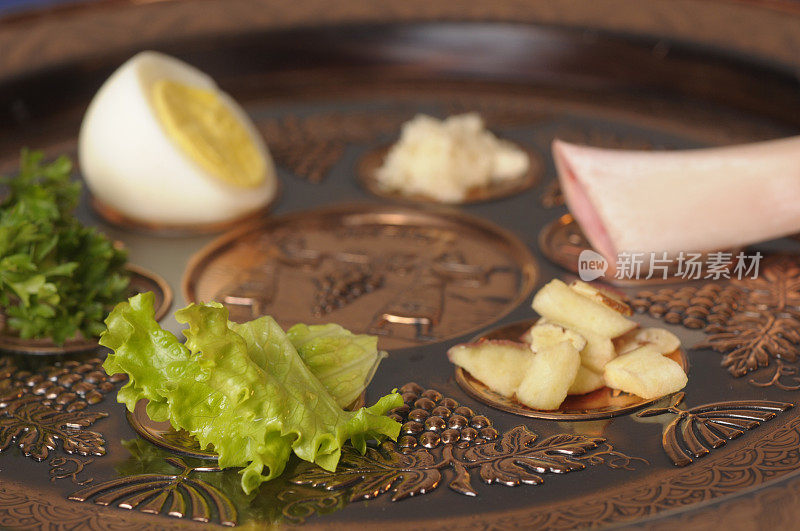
{"points": [[44, 410], [753, 322], [310, 146], [379, 471], [68, 467], [450, 451], [178, 494], [37, 428], [515, 459]]}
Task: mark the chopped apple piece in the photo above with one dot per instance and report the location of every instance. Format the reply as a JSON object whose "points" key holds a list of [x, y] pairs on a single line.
{"points": [[660, 339], [543, 335], [500, 365], [595, 353], [603, 296], [586, 381], [559, 304], [645, 372], [549, 376], [527, 336], [598, 351]]}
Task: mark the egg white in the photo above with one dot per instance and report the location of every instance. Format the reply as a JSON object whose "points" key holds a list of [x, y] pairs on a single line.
{"points": [[130, 163]]}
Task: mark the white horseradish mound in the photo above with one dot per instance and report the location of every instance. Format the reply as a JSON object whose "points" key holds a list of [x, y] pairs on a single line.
{"points": [[444, 159]]}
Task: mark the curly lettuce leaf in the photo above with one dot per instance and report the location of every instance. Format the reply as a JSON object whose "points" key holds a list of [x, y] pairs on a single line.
{"points": [[241, 388], [343, 361]]}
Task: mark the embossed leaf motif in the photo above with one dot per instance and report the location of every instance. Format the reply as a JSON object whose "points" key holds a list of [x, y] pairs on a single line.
{"points": [[376, 472], [517, 458], [749, 342], [37, 427], [777, 286], [695, 432], [180, 495]]}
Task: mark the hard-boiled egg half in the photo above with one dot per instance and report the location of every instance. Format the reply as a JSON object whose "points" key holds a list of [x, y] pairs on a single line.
{"points": [[161, 144]]}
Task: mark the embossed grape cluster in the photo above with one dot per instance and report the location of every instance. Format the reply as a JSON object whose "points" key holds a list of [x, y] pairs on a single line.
{"points": [[430, 419], [71, 385], [342, 287], [706, 307]]}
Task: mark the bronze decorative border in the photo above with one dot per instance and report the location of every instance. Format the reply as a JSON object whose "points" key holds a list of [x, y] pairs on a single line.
{"points": [[764, 29], [761, 459]]}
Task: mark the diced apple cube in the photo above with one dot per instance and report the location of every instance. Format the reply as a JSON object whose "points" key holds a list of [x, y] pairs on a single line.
{"points": [[645, 372], [527, 336], [660, 339], [586, 381], [559, 304], [598, 352], [549, 376], [500, 365], [543, 335]]}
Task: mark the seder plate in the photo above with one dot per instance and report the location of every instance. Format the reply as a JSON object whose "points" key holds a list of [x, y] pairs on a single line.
{"points": [[723, 452], [411, 277]]}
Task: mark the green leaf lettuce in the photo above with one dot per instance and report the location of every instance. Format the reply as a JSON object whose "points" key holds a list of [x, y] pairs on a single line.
{"points": [[241, 388], [343, 361]]}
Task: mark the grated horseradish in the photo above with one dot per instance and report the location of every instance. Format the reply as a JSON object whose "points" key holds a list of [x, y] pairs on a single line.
{"points": [[444, 159]]}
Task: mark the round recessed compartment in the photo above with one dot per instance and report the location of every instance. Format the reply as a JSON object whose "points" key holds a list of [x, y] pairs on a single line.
{"points": [[179, 441], [116, 218], [164, 435], [600, 404], [562, 241], [141, 281], [373, 159], [410, 276]]}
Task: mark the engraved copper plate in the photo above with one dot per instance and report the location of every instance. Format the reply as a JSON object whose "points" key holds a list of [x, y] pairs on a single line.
{"points": [[141, 280], [412, 277], [326, 87], [600, 404], [374, 158]]}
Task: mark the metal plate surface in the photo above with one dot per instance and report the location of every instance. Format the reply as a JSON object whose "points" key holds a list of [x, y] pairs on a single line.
{"points": [[323, 98]]}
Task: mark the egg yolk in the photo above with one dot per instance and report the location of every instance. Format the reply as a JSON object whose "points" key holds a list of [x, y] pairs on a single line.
{"points": [[204, 127]]}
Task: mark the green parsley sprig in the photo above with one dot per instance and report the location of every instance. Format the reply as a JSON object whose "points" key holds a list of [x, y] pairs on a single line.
{"points": [[57, 277]]}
